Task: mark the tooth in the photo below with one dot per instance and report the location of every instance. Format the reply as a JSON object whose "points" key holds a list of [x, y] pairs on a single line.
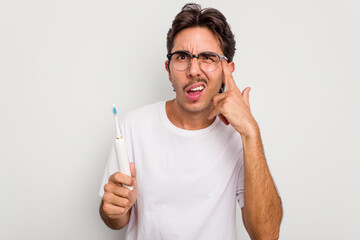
{"points": [[197, 88]]}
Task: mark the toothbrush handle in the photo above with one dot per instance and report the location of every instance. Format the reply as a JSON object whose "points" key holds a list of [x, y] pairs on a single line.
{"points": [[122, 157]]}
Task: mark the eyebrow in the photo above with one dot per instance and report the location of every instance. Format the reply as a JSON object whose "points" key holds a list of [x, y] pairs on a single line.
{"points": [[183, 50]]}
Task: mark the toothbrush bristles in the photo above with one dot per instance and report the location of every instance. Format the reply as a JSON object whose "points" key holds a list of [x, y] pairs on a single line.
{"points": [[114, 109]]}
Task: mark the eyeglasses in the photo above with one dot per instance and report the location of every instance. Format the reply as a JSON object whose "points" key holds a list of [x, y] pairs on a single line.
{"points": [[208, 61]]}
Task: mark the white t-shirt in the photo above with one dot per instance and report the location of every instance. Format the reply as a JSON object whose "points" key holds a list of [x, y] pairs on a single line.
{"points": [[188, 180]]}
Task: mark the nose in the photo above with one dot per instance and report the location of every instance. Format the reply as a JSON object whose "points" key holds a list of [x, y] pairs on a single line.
{"points": [[194, 68]]}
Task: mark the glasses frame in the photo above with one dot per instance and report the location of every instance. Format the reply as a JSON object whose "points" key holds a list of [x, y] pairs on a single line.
{"points": [[169, 56]]}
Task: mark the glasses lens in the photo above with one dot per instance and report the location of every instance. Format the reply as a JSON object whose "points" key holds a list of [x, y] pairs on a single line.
{"points": [[209, 61], [180, 61]]}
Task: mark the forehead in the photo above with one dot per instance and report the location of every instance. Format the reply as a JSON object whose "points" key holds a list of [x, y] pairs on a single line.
{"points": [[196, 40]]}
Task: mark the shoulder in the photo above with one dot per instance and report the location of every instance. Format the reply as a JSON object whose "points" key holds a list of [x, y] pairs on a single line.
{"points": [[143, 114]]}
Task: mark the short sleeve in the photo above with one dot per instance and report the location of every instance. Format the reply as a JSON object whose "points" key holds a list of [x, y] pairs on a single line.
{"points": [[111, 167], [240, 187]]}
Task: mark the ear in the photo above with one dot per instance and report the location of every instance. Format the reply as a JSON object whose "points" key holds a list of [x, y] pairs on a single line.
{"points": [[168, 69], [167, 66], [232, 66]]}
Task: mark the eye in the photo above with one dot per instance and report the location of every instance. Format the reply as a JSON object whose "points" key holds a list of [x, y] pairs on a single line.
{"points": [[209, 57], [182, 56]]}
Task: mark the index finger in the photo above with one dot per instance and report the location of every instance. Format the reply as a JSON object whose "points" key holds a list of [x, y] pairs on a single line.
{"points": [[121, 178], [228, 78]]}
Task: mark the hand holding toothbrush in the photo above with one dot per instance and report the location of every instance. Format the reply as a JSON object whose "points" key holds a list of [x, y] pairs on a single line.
{"points": [[121, 190], [118, 200]]}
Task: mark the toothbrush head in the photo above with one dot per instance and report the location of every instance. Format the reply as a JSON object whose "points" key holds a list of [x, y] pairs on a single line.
{"points": [[118, 132], [114, 109]]}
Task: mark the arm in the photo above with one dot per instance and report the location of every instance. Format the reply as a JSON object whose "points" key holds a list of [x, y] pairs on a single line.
{"points": [[117, 201], [262, 210]]}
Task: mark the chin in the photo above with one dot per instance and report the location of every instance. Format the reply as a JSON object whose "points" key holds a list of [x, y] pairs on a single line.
{"points": [[197, 107]]}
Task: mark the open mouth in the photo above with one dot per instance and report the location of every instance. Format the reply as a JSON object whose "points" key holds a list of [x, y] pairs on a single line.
{"points": [[194, 92]]}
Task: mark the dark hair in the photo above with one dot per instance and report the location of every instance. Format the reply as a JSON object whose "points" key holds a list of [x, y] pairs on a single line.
{"points": [[192, 15]]}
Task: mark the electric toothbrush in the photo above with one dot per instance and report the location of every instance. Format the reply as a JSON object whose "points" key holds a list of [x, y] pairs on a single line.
{"points": [[120, 149]]}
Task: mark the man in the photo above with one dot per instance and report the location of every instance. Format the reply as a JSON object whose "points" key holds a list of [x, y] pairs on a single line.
{"points": [[195, 155]]}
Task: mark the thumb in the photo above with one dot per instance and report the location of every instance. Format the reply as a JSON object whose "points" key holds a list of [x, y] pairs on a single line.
{"points": [[132, 169]]}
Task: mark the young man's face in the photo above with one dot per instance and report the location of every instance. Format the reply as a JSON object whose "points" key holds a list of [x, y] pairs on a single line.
{"points": [[195, 40]]}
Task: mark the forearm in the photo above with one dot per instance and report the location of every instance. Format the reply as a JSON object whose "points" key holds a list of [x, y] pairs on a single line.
{"points": [[262, 209], [117, 223]]}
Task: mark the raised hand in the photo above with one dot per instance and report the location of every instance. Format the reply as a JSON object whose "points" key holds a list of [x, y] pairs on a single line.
{"points": [[232, 106]]}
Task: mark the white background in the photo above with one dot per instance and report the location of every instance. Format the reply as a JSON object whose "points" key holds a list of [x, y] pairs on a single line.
{"points": [[63, 64]]}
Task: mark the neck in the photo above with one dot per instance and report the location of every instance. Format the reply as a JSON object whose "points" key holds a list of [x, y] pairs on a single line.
{"points": [[185, 119]]}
